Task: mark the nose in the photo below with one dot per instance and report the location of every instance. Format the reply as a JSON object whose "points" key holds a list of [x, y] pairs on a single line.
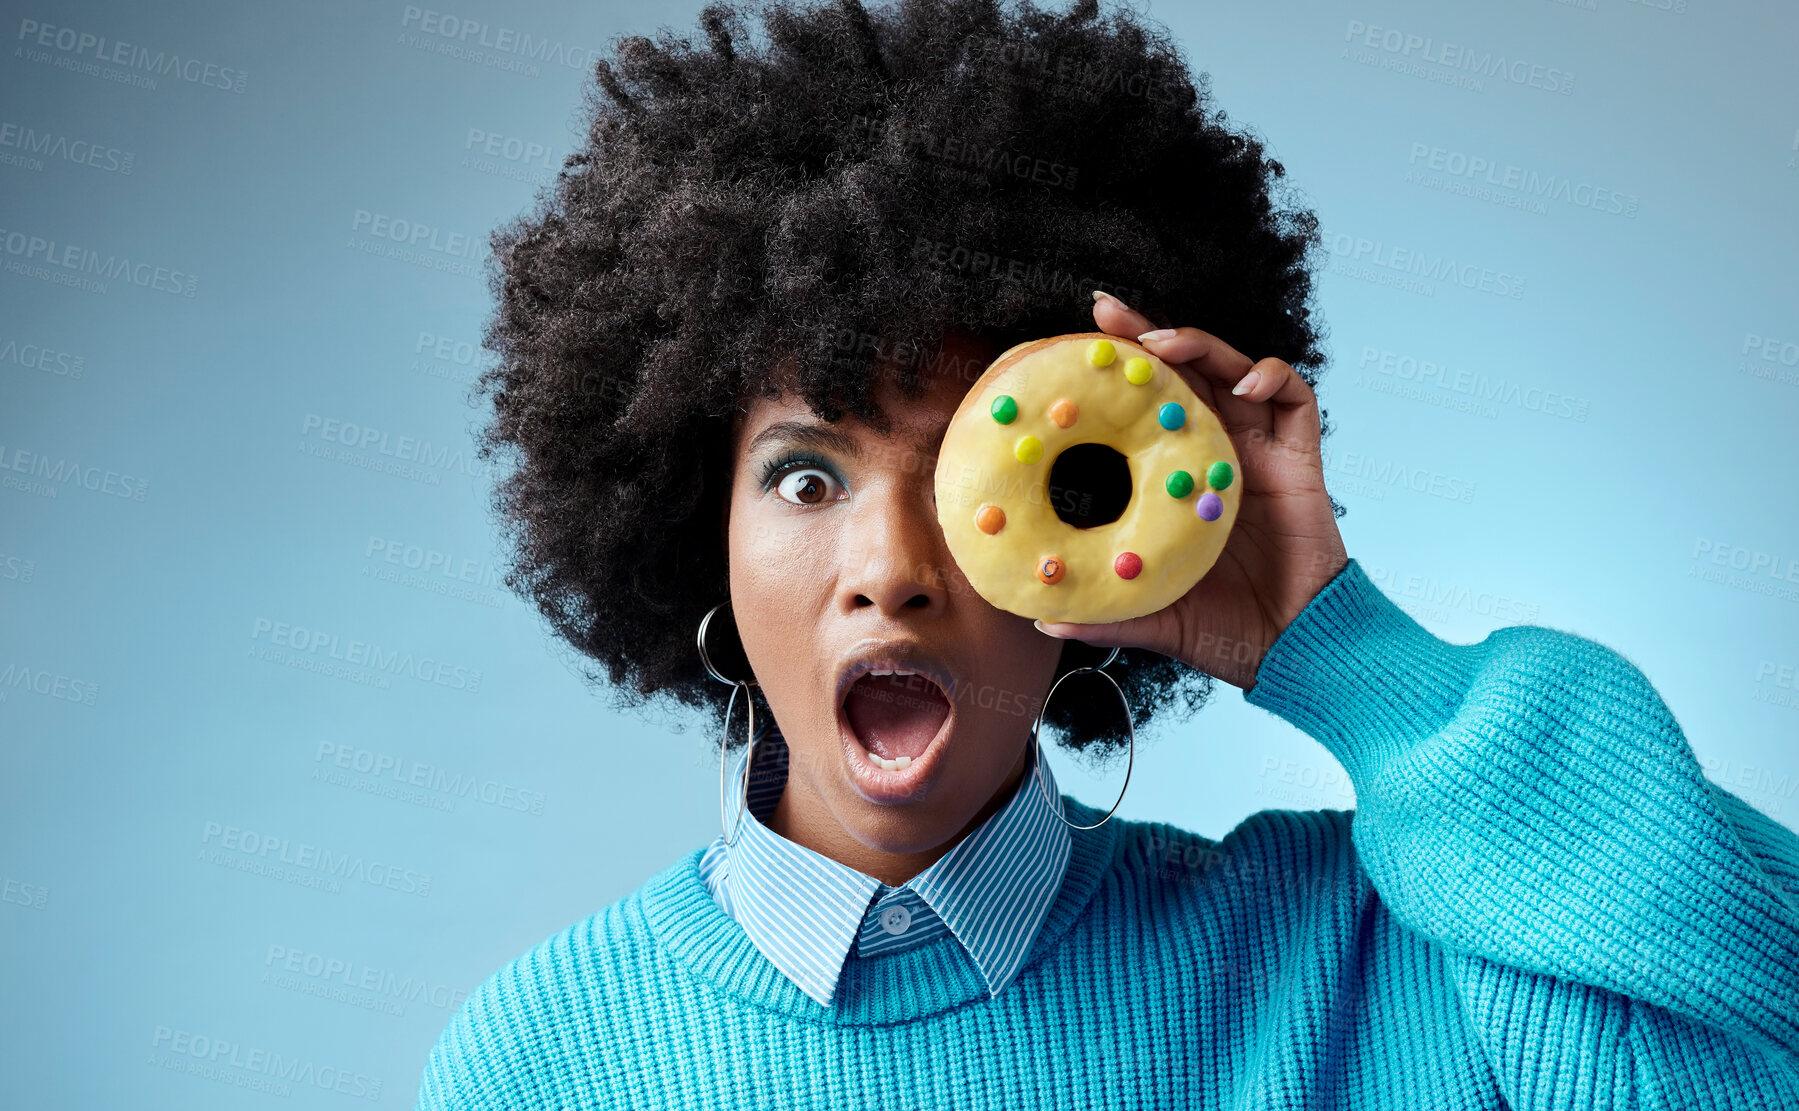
{"points": [[894, 557]]}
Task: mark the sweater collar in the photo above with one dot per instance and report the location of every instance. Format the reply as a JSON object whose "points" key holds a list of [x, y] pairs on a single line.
{"points": [[804, 911], [709, 945]]}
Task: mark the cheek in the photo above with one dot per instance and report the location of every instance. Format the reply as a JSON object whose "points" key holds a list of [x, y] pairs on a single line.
{"points": [[1017, 666], [781, 583]]}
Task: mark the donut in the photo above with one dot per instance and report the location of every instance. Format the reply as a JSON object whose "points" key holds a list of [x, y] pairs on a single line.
{"points": [[1081, 479]]}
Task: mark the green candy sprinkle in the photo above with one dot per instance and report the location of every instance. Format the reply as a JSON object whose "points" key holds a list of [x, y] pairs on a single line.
{"points": [[1219, 475], [1005, 410], [1178, 484]]}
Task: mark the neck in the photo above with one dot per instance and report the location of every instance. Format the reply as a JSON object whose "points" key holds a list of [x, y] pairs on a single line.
{"points": [[803, 818]]}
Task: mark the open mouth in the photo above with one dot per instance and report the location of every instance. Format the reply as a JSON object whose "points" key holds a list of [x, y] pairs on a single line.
{"points": [[895, 714]]}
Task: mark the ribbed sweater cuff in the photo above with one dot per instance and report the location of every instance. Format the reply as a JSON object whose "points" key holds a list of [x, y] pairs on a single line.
{"points": [[1357, 673]]}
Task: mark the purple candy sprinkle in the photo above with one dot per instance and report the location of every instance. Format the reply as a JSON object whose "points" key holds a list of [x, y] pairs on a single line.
{"points": [[1210, 507]]}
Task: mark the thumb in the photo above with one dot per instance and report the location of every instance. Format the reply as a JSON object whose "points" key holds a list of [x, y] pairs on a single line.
{"points": [[1158, 632]]}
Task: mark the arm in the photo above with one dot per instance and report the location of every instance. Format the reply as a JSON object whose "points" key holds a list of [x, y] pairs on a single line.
{"points": [[499, 1050], [1530, 804], [462, 1071]]}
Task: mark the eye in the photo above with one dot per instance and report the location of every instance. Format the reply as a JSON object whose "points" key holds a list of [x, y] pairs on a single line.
{"points": [[808, 486]]}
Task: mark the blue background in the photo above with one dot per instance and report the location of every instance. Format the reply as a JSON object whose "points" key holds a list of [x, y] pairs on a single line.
{"points": [[1610, 452]]}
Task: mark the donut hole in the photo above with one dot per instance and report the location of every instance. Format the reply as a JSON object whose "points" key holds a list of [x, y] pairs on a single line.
{"points": [[1090, 485]]}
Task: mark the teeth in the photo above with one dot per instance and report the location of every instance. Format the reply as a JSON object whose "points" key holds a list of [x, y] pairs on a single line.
{"points": [[897, 765], [880, 671]]}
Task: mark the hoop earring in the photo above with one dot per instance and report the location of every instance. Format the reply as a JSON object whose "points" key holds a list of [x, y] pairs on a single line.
{"points": [[738, 686], [1130, 728]]}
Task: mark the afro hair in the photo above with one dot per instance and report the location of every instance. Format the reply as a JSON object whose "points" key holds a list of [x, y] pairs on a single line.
{"points": [[802, 211]]}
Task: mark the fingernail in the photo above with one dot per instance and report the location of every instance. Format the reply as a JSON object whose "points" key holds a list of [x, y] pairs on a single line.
{"points": [[1100, 294], [1159, 333], [1248, 383], [1046, 632]]}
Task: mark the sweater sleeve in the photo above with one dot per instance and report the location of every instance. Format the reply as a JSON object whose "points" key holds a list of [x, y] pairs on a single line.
{"points": [[1622, 932], [496, 1050], [466, 1069]]}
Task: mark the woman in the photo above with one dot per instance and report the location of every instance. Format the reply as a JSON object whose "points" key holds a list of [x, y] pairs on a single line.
{"points": [[728, 343]]}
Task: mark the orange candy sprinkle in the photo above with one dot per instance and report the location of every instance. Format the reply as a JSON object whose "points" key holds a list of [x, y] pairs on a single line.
{"points": [[1050, 570], [990, 519], [1064, 412]]}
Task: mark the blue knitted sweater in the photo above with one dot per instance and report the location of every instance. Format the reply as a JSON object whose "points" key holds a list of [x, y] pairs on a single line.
{"points": [[1540, 902]]}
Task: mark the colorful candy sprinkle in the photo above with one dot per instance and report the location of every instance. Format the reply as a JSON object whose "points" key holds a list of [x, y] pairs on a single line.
{"points": [[1028, 449], [1064, 412], [1219, 475], [990, 519], [1171, 416], [1178, 484], [1101, 352], [1050, 569], [1128, 565], [1210, 506], [1005, 410], [1137, 370]]}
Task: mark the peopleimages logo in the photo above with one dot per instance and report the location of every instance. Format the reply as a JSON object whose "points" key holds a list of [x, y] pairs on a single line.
{"points": [[430, 569], [1367, 258], [1778, 567], [81, 50], [415, 242], [1748, 569], [413, 773], [253, 1068], [77, 263], [1426, 50], [477, 41], [446, 349], [1386, 472], [36, 356], [1440, 596], [305, 645], [1771, 358], [512, 149], [281, 858], [350, 981], [16, 569], [1768, 349], [445, 358], [509, 157], [1778, 684], [1487, 392], [50, 684], [15, 460], [23, 894], [407, 456], [27, 146], [1473, 170], [412, 233]]}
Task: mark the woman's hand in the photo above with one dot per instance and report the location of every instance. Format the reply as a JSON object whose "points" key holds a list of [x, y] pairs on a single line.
{"points": [[1284, 546]]}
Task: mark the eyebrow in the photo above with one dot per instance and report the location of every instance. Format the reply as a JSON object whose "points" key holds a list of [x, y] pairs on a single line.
{"points": [[823, 438]]}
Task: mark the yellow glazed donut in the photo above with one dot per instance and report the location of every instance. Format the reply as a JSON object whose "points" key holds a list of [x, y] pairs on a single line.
{"points": [[1082, 479]]}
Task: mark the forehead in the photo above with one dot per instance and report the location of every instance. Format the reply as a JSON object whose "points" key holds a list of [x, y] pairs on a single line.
{"points": [[916, 421]]}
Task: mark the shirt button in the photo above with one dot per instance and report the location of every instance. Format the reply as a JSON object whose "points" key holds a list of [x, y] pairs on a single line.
{"points": [[896, 920]]}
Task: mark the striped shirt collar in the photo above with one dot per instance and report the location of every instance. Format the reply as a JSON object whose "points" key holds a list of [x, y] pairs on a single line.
{"points": [[805, 911]]}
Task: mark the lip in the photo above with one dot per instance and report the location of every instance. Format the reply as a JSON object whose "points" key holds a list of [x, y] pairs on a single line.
{"points": [[874, 783]]}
